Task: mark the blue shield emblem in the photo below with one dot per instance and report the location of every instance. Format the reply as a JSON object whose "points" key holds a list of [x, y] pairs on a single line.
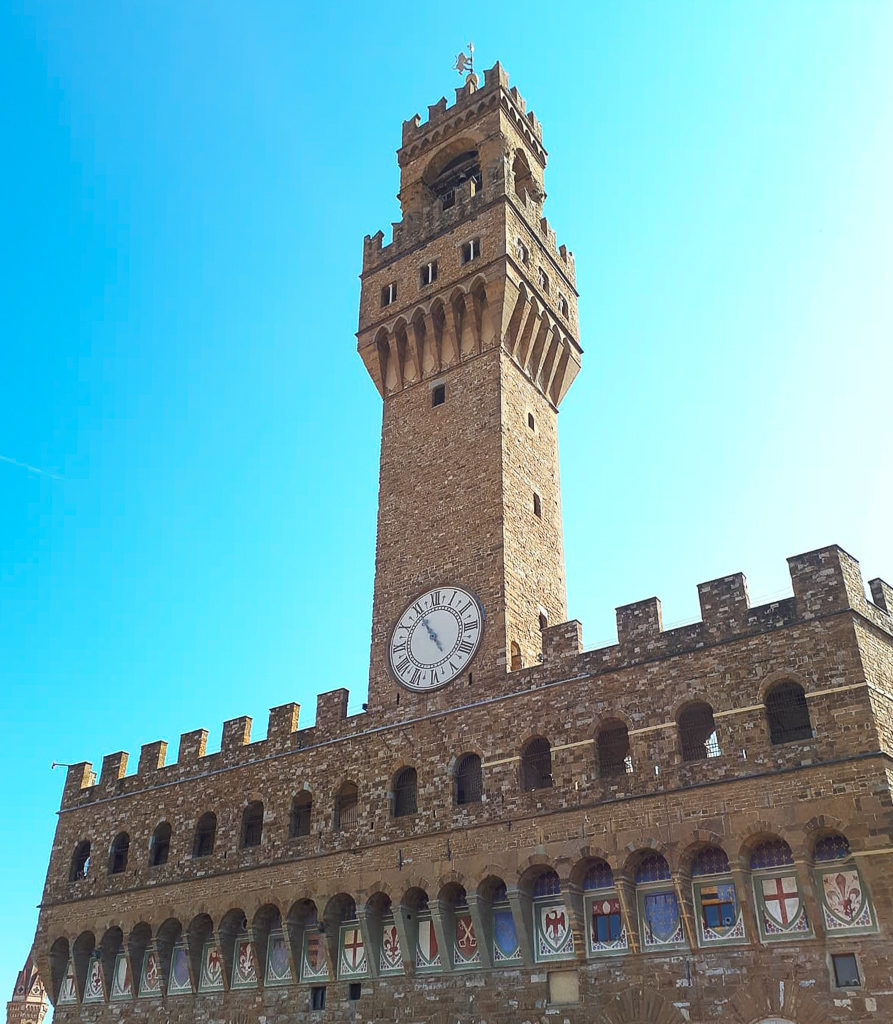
{"points": [[505, 938], [661, 917]]}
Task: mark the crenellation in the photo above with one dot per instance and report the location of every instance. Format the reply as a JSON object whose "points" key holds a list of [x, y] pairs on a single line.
{"points": [[236, 734], [638, 623], [152, 757], [114, 768], [882, 595], [331, 711], [283, 723], [562, 643], [79, 777], [826, 580], [192, 746], [725, 604]]}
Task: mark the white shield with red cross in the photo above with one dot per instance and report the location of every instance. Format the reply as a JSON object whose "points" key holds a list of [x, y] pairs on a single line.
{"points": [[783, 909], [352, 962]]}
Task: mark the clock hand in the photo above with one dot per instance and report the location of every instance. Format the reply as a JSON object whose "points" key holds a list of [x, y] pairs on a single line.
{"points": [[433, 635]]}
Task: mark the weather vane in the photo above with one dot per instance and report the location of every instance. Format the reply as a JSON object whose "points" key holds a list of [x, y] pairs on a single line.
{"points": [[465, 61]]}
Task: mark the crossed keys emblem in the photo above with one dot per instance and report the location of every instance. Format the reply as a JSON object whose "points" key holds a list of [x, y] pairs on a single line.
{"points": [[465, 937]]}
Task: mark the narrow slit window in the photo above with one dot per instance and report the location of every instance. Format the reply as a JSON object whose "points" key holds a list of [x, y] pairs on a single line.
{"points": [[438, 394], [428, 274], [389, 293], [531, 422], [537, 505]]}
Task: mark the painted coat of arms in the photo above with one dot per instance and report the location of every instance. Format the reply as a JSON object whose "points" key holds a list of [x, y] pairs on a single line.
{"points": [[278, 967], [122, 987], [465, 948], [179, 981], [553, 931], [68, 992], [505, 938], [93, 990], [244, 964], [150, 975], [661, 917], [313, 962], [211, 978], [427, 953], [391, 959], [352, 962], [783, 910], [844, 901]]}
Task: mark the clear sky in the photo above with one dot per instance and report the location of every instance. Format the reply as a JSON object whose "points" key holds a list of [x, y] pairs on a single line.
{"points": [[189, 442]]}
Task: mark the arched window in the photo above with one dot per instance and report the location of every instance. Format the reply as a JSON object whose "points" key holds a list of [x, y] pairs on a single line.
{"points": [[252, 824], [205, 834], [547, 883], [469, 782], [516, 662], [522, 251], [787, 713], [832, 847], [301, 810], [405, 800], [536, 765], [346, 804], [160, 845], [612, 747], [80, 861], [523, 177], [697, 732], [118, 853], [771, 853], [454, 174], [712, 860]]}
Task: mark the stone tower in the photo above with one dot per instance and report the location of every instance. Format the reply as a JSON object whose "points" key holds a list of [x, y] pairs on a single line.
{"points": [[468, 327], [29, 1003]]}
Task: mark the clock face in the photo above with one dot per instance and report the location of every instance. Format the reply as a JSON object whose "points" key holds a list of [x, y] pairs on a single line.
{"points": [[435, 638]]}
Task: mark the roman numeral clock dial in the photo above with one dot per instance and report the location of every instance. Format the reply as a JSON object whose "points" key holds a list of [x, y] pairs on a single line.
{"points": [[435, 638]]}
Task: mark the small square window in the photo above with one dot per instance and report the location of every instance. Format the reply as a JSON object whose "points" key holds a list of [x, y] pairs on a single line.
{"points": [[846, 970], [389, 293], [318, 997], [428, 274], [471, 250], [438, 394], [354, 991]]}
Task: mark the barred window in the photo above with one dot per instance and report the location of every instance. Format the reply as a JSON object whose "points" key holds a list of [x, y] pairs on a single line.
{"points": [[80, 861], [833, 847], [652, 868], [205, 834], [697, 733], [469, 782], [787, 713], [301, 809], [712, 860], [160, 845], [536, 765], [599, 876], [405, 793], [772, 853], [612, 747], [346, 806], [547, 884], [252, 824], [118, 853]]}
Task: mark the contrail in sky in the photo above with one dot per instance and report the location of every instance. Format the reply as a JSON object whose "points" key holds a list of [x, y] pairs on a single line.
{"points": [[31, 469]]}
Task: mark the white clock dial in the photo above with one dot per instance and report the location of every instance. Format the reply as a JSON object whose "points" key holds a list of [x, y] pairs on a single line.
{"points": [[435, 638]]}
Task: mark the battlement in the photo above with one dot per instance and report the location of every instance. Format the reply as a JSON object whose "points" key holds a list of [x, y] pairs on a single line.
{"points": [[824, 582], [433, 220], [495, 79]]}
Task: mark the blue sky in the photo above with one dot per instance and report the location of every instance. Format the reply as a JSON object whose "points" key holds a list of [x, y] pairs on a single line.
{"points": [[187, 189]]}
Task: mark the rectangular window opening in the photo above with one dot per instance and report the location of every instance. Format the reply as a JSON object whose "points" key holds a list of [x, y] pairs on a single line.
{"points": [[537, 505], [471, 250], [846, 970], [318, 997], [389, 294], [354, 991], [438, 394], [428, 274]]}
